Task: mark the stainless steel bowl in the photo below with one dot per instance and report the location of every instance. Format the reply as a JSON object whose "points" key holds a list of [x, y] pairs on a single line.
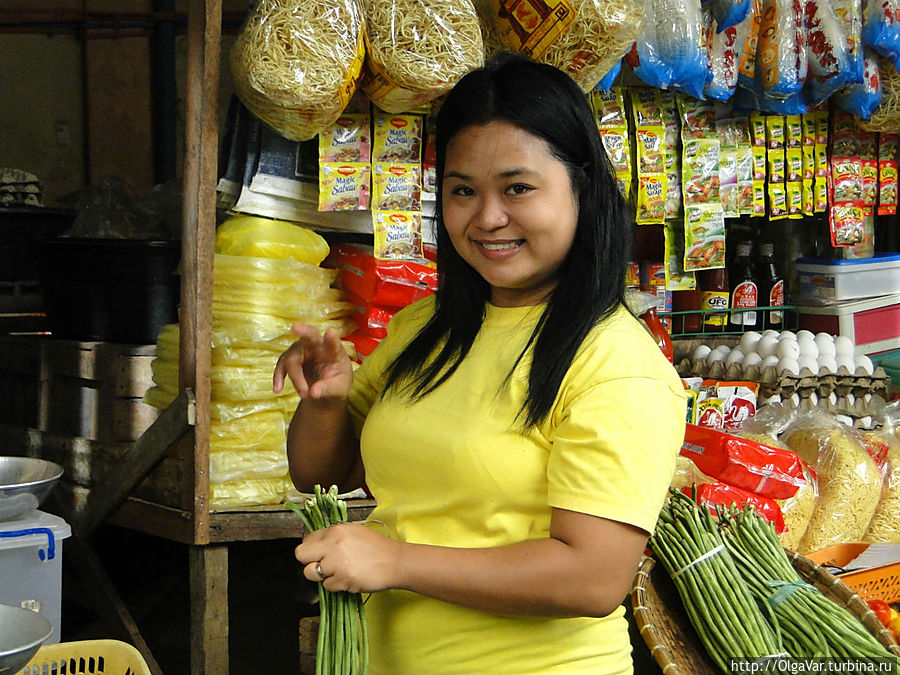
{"points": [[22, 632], [24, 484]]}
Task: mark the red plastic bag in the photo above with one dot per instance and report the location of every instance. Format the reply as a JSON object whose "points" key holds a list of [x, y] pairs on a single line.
{"points": [[766, 471], [387, 283], [712, 494]]}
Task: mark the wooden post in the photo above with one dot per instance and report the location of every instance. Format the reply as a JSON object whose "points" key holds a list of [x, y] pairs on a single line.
{"points": [[209, 609]]}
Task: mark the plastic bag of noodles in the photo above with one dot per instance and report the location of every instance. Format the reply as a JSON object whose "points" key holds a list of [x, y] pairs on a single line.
{"points": [[584, 38], [296, 63], [886, 117], [416, 50], [862, 99]]}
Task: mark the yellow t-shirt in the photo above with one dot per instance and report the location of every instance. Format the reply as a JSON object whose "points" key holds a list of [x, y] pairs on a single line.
{"points": [[451, 470]]}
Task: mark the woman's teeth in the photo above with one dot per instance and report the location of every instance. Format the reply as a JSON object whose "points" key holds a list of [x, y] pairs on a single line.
{"points": [[500, 247]]}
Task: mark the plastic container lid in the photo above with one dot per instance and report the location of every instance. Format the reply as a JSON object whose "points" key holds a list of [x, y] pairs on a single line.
{"points": [[878, 258], [40, 529]]}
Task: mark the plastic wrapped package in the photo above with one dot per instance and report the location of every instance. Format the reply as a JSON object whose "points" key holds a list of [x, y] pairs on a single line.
{"points": [[159, 397], [260, 431], [863, 99], [885, 524], [231, 328], [267, 238], [849, 13], [287, 308], [687, 474], [881, 30], [670, 48], [249, 492], [416, 50], [781, 63], [236, 465], [490, 35], [797, 511], [295, 65], [848, 479], [167, 343], [242, 273], [727, 13], [886, 117], [828, 56], [241, 383], [720, 494], [747, 39], [230, 410], [723, 59]]}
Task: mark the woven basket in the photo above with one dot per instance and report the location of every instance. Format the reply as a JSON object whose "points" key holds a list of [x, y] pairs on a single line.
{"points": [[675, 645]]}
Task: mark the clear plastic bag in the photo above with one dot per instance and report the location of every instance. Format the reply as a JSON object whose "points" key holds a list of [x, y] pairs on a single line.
{"points": [[727, 13], [849, 480], [260, 431], [885, 524], [828, 54], [248, 492], [231, 328], [886, 117], [797, 511], [233, 465], [781, 63], [881, 30], [295, 65], [418, 49], [864, 98], [723, 58], [268, 238]]}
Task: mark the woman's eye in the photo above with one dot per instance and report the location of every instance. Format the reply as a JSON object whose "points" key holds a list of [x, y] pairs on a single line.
{"points": [[518, 189], [463, 190]]}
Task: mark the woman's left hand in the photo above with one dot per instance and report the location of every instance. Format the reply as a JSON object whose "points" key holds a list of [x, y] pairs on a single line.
{"points": [[349, 557]]}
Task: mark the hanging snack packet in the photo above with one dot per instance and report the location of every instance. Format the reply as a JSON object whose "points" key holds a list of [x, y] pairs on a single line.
{"points": [[612, 122], [416, 50], [397, 138], [344, 187], [868, 156], [396, 187], [398, 235], [650, 133], [349, 139], [296, 65], [888, 145], [672, 122]]}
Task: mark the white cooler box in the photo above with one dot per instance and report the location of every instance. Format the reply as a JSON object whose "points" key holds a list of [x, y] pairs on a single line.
{"points": [[31, 565], [821, 280], [873, 324]]}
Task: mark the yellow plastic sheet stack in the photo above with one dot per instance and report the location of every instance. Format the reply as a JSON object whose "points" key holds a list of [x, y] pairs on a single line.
{"points": [[266, 278]]}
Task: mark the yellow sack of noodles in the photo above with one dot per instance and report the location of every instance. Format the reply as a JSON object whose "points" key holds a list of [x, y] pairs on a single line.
{"points": [[584, 38], [295, 63], [416, 50], [269, 238]]}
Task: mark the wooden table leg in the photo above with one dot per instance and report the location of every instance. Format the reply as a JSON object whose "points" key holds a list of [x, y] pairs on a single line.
{"points": [[209, 609]]}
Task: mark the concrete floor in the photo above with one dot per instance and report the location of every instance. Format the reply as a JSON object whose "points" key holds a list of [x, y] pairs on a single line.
{"points": [[267, 597]]}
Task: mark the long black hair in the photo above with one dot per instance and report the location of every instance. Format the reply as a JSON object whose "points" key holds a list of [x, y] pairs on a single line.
{"points": [[547, 103]]}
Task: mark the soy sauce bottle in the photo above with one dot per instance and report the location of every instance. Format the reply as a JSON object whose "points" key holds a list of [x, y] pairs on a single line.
{"points": [[771, 287], [714, 296], [744, 290]]}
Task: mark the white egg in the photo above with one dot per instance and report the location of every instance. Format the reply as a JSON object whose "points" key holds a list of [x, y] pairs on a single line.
{"points": [[788, 349], [788, 364], [700, 352], [748, 341], [843, 345], [767, 345], [751, 359], [734, 356], [770, 360], [795, 399], [808, 362], [864, 362], [808, 347], [827, 362], [813, 397], [845, 361], [786, 335], [803, 333], [768, 332], [825, 344], [717, 354]]}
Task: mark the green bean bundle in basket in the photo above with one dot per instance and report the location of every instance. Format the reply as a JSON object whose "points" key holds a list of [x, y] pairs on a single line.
{"points": [[342, 647]]}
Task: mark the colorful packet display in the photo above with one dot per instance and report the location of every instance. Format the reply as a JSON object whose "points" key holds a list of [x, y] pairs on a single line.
{"points": [[612, 121], [396, 187], [397, 138], [429, 159], [868, 156], [744, 165], [650, 136], [672, 122], [344, 187], [846, 215], [776, 159], [746, 40], [698, 118], [820, 184], [398, 235], [887, 173], [349, 139], [676, 277], [704, 237], [793, 142], [700, 171], [758, 149]]}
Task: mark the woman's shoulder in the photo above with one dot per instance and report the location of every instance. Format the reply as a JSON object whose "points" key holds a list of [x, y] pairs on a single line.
{"points": [[412, 317]]}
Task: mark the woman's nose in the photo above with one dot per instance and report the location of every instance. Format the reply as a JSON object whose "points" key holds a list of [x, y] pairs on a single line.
{"points": [[492, 214]]}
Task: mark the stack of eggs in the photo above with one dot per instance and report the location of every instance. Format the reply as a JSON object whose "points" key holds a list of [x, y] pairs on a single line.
{"points": [[799, 354]]}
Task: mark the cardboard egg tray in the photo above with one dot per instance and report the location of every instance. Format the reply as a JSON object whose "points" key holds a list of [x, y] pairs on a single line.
{"points": [[859, 396]]}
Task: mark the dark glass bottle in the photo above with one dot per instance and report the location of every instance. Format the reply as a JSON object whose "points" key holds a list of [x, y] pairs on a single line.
{"points": [[771, 287], [744, 290], [714, 296]]}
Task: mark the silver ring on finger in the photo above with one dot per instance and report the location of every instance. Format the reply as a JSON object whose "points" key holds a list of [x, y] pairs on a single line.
{"points": [[319, 572]]}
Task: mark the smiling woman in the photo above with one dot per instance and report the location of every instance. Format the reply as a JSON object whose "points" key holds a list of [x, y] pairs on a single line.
{"points": [[501, 424]]}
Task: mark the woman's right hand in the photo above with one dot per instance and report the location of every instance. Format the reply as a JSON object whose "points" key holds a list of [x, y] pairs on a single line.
{"points": [[317, 365]]}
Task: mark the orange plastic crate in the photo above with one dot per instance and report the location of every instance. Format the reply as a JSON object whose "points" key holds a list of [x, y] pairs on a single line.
{"points": [[881, 582]]}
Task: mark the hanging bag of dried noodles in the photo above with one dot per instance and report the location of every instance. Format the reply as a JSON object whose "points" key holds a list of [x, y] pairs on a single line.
{"points": [[296, 63], [416, 50]]}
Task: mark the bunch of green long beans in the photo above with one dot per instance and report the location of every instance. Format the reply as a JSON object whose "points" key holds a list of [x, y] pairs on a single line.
{"points": [[812, 625], [728, 621], [342, 647]]}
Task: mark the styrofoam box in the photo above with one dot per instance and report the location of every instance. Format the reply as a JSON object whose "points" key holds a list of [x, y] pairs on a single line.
{"points": [[873, 324], [830, 280], [31, 565]]}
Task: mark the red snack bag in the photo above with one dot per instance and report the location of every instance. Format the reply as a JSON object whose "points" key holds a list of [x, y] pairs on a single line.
{"points": [[370, 319], [388, 283], [364, 344], [712, 494], [767, 471]]}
